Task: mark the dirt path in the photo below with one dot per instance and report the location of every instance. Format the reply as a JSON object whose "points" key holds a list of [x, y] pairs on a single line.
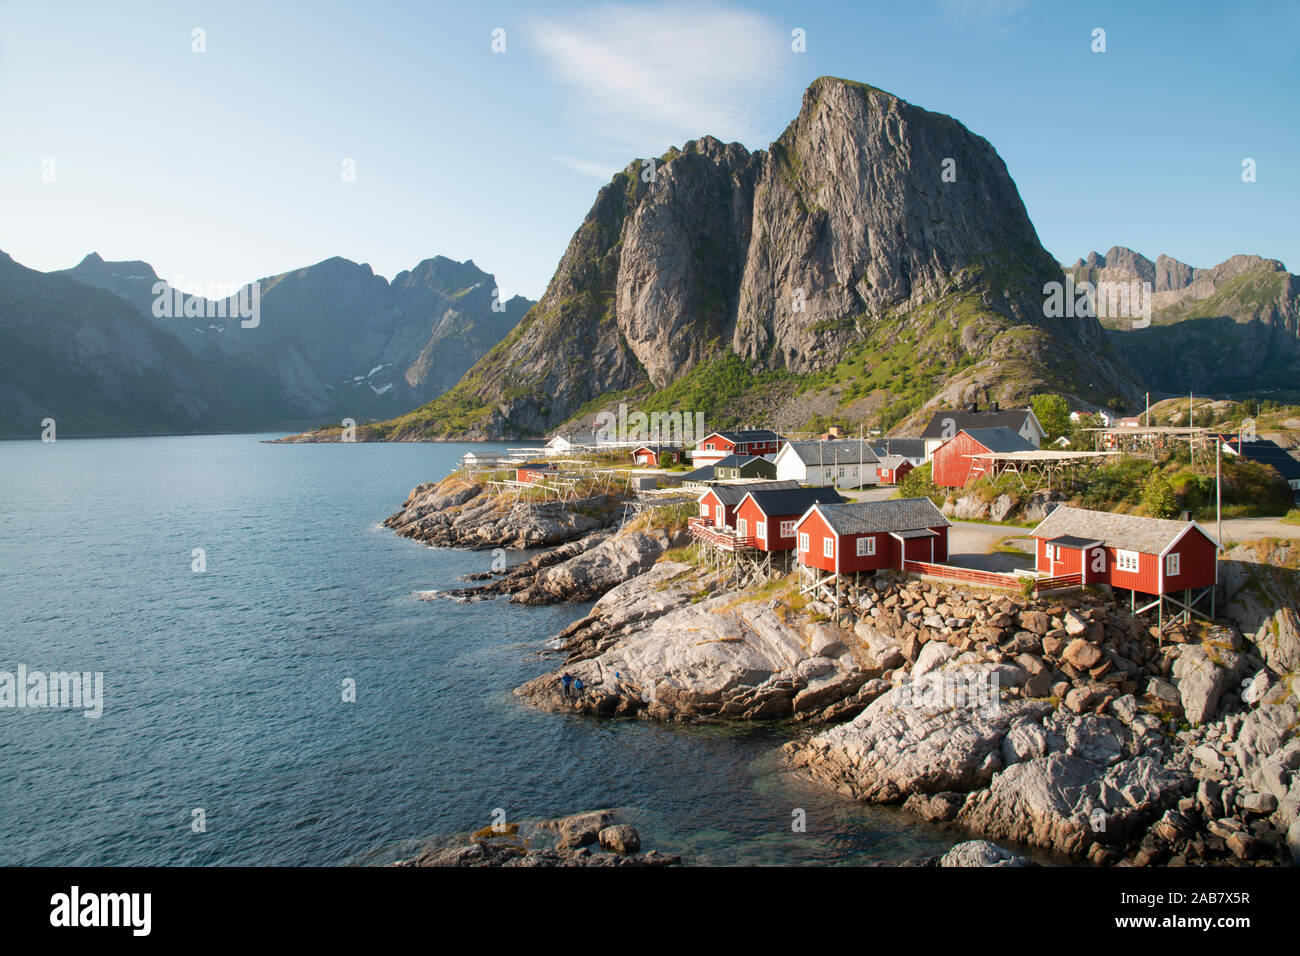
{"points": [[971, 544]]}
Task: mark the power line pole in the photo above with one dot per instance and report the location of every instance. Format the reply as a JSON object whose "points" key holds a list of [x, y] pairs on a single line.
{"points": [[1218, 493]]}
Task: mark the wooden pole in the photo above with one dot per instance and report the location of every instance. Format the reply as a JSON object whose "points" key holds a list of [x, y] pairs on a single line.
{"points": [[1218, 494]]}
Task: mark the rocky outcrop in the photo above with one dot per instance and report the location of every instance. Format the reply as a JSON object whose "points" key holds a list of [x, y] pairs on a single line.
{"points": [[982, 853], [460, 513], [584, 839], [580, 570], [909, 740], [1055, 725], [1263, 593], [613, 560], [1028, 508], [656, 647]]}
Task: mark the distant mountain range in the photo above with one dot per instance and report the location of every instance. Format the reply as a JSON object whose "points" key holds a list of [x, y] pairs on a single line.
{"points": [[85, 346], [876, 261], [1233, 329]]}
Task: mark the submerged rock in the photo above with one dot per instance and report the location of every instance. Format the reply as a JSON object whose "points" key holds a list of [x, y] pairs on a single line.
{"points": [[982, 853], [583, 839]]}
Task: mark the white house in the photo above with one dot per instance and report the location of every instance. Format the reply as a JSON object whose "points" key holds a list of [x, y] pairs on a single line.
{"points": [[572, 443], [847, 463], [1106, 418]]}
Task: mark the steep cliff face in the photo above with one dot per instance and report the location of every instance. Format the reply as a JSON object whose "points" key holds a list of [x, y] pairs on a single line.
{"points": [[869, 226], [1231, 328], [855, 217]]}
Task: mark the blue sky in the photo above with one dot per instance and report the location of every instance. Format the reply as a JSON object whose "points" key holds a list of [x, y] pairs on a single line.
{"points": [[227, 165]]}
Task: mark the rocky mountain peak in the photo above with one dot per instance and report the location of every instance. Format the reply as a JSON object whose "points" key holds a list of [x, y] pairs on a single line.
{"points": [[867, 219]]}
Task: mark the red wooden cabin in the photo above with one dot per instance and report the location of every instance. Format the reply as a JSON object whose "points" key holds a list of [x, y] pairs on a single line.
{"points": [[718, 504], [531, 471], [770, 516], [954, 461], [871, 535], [647, 455], [747, 443], [1154, 556], [892, 469]]}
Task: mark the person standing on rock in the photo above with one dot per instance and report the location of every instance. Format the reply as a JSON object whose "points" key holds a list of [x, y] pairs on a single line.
{"points": [[566, 680], [577, 686]]}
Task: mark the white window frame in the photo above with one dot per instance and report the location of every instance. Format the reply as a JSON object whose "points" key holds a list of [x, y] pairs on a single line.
{"points": [[787, 529], [866, 546], [741, 525], [1128, 561], [1173, 564], [760, 530], [828, 547], [803, 541]]}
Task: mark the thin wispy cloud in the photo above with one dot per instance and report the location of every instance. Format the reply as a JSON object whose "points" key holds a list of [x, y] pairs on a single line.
{"points": [[593, 168], [985, 9], [642, 78]]}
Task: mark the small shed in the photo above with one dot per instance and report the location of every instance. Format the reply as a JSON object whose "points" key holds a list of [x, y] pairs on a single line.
{"points": [[893, 469], [533, 471], [735, 467]]}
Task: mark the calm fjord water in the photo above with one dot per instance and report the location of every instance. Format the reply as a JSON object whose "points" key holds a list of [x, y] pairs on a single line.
{"points": [[223, 689]]}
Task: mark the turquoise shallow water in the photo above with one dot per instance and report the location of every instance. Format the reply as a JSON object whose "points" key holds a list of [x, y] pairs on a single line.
{"points": [[223, 689]]}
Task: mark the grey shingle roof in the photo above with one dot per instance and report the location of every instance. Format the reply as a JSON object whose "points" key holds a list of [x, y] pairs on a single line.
{"points": [[1268, 452], [731, 495], [890, 462], [793, 501], [699, 474], [750, 435], [895, 514], [1000, 439], [1013, 418], [735, 461], [1127, 532], [906, 447], [840, 451]]}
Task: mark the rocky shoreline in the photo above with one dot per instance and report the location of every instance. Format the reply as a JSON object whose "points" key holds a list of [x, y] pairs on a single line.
{"points": [[1063, 724], [460, 513]]}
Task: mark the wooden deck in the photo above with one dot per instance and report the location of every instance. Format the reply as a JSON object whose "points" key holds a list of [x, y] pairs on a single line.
{"points": [[993, 579], [725, 539]]}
